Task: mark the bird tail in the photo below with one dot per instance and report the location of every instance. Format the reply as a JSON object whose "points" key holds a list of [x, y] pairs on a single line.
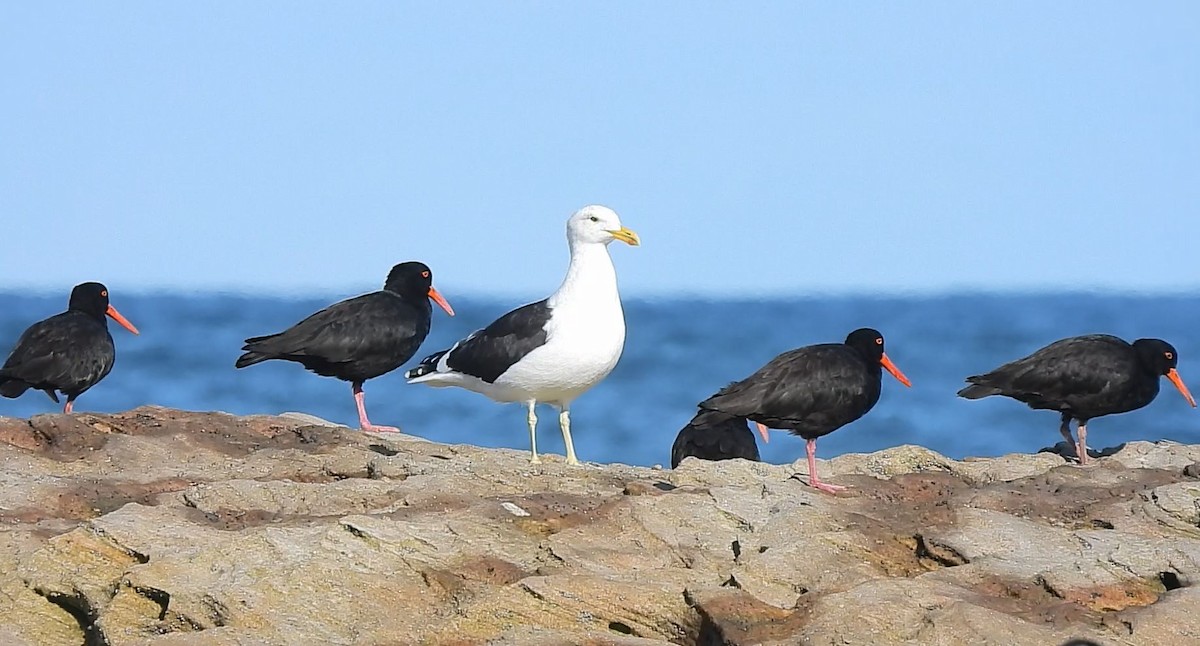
{"points": [[251, 358], [428, 365], [724, 401], [978, 391], [12, 387], [255, 352]]}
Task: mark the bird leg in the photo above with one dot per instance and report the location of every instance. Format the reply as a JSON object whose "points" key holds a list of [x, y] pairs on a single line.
{"points": [[532, 419], [1081, 448], [364, 423], [564, 423], [1065, 429], [813, 480], [69, 406]]}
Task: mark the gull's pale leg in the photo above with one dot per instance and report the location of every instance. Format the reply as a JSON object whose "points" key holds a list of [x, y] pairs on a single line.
{"points": [[564, 422], [532, 419]]}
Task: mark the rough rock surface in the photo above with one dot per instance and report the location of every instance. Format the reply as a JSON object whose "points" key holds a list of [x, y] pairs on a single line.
{"points": [[159, 526]]}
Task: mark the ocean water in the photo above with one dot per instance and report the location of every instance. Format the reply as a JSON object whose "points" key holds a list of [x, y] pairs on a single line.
{"points": [[677, 352]]}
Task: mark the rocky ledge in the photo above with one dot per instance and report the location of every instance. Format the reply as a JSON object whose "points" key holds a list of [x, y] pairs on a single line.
{"points": [[160, 526]]}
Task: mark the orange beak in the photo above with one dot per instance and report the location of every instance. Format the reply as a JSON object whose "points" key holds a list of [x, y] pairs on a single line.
{"points": [[762, 430], [891, 367], [440, 300], [116, 316], [1173, 375]]}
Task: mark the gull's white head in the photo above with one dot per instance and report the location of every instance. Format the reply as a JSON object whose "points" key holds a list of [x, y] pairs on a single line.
{"points": [[598, 225]]}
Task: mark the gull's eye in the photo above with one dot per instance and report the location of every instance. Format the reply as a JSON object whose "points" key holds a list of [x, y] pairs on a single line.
{"points": [[594, 219], [104, 293], [878, 340], [1168, 355], [424, 274]]}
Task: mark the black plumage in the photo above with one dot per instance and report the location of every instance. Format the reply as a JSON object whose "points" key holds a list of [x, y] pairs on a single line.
{"points": [[490, 352], [1084, 377], [68, 352], [812, 391], [359, 338], [713, 435]]}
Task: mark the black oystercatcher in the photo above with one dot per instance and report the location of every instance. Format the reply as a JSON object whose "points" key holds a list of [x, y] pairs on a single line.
{"points": [[68, 352], [1084, 377], [359, 338], [713, 435], [812, 391], [554, 350]]}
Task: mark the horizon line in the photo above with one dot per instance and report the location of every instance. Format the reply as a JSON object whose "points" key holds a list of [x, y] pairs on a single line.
{"points": [[656, 294]]}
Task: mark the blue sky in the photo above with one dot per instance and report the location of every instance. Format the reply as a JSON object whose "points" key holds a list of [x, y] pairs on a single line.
{"points": [[782, 148]]}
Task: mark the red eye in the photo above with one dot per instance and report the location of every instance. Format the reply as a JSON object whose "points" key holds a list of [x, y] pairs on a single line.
{"points": [[104, 293], [424, 274]]}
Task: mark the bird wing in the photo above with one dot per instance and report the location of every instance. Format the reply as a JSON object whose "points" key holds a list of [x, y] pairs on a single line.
{"points": [[490, 352], [794, 385], [35, 346], [1075, 367], [43, 355], [343, 332], [822, 378]]}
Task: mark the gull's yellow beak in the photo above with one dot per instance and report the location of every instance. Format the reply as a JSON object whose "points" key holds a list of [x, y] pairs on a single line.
{"points": [[627, 236]]}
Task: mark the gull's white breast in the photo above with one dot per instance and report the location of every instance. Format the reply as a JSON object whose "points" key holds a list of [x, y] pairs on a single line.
{"points": [[584, 340]]}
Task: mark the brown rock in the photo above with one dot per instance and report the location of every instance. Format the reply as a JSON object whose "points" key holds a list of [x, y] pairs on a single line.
{"points": [[158, 526]]}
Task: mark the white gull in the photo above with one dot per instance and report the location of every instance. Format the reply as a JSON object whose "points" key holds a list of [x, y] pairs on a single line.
{"points": [[554, 350]]}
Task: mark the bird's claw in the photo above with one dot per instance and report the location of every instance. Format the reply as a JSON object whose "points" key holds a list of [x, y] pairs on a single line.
{"points": [[827, 488], [371, 428], [817, 484]]}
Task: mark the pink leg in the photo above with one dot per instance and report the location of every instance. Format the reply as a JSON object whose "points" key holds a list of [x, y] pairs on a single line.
{"points": [[762, 430], [1065, 429], [69, 405], [364, 423], [813, 480], [1081, 447]]}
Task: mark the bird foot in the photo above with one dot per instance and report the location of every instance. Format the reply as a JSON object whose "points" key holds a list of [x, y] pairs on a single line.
{"points": [[574, 462], [373, 428], [535, 460], [825, 486], [1081, 454]]}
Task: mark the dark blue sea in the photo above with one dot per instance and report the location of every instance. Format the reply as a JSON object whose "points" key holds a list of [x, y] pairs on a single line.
{"points": [[677, 352]]}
